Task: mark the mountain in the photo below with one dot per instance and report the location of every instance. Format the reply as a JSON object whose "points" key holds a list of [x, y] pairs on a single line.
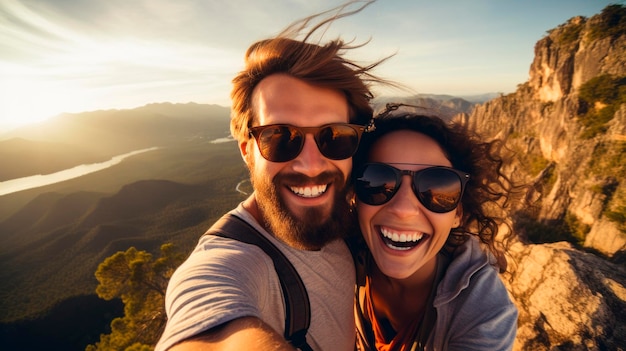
{"points": [[577, 154], [444, 106], [480, 98], [89, 137], [567, 127]]}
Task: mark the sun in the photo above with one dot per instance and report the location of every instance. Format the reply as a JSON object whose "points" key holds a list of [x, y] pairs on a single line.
{"points": [[29, 101]]}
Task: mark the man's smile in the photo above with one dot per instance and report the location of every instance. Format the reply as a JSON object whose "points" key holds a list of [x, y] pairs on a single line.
{"points": [[310, 190]]}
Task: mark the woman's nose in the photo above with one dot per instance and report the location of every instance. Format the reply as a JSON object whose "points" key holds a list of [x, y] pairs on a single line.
{"points": [[404, 203]]}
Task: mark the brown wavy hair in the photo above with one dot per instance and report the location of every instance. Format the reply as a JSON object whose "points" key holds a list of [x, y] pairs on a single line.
{"points": [[322, 65], [489, 191]]}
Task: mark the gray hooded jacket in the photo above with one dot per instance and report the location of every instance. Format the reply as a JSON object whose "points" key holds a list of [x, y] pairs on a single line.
{"points": [[472, 308]]}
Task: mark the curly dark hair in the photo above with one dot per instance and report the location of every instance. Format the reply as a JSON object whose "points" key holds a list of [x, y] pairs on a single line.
{"points": [[488, 191]]}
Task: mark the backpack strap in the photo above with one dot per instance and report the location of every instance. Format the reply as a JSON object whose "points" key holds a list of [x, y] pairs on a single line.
{"points": [[364, 330], [298, 310]]}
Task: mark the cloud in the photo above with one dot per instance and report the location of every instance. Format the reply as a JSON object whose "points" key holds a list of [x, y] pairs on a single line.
{"points": [[76, 55]]}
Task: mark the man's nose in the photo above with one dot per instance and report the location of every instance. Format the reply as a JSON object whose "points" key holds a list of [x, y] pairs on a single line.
{"points": [[310, 162]]}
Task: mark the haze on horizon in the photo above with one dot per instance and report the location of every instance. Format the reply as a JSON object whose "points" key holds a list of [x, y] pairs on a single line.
{"points": [[75, 56]]}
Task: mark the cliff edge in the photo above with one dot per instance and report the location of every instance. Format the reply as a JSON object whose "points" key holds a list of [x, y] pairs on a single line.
{"points": [[567, 127]]}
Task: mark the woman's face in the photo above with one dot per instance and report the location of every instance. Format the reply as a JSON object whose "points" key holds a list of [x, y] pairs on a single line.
{"points": [[404, 214]]}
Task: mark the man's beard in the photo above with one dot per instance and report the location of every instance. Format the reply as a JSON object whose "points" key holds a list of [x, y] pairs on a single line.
{"points": [[316, 228]]}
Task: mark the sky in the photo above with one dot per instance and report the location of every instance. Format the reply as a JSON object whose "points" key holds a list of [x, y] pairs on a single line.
{"points": [[74, 56]]}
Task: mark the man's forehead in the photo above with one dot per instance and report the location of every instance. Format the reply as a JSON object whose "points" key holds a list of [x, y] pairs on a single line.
{"points": [[284, 99]]}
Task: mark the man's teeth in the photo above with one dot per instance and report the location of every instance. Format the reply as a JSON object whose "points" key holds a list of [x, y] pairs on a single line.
{"points": [[401, 237], [309, 191]]}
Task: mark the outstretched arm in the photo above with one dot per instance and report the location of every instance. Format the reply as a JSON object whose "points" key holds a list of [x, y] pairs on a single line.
{"points": [[240, 334]]}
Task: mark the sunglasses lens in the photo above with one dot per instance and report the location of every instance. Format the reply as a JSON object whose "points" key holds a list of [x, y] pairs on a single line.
{"points": [[439, 190], [280, 143], [337, 142], [375, 184]]}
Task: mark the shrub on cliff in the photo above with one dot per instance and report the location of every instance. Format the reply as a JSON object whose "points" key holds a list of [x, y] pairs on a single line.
{"points": [[612, 23], [602, 97]]}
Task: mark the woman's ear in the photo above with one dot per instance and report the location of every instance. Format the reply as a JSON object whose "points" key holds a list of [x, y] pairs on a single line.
{"points": [[458, 216], [351, 199]]}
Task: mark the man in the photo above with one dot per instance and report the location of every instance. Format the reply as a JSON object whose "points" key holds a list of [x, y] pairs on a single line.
{"points": [[227, 294]]}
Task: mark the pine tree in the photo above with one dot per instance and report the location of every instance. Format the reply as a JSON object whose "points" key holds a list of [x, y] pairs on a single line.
{"points": [[140, 282]]}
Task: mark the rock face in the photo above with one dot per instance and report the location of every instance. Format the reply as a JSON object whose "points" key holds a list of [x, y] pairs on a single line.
{"points": [[581, 177], [568, 130], [567, 299]]}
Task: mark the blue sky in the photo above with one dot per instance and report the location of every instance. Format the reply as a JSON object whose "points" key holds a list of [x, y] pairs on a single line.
{"points": [[82, 55]]}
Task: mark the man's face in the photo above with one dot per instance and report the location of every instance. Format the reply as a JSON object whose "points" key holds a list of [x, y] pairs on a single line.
{"points": [[300, 200]]}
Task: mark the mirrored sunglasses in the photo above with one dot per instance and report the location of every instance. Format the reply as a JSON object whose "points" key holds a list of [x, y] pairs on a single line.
{"points": [[438, 188], [284, 142]]}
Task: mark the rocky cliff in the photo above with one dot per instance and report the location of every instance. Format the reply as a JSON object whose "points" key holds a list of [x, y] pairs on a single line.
{"points": [[567, 127]]}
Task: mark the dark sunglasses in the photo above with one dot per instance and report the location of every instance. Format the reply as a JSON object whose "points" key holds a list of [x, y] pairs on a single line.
{"points": [[284, 142], [438, 188]]}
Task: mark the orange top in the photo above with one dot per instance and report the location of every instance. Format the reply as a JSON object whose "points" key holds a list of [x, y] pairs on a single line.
{"points": [[403, 339]]}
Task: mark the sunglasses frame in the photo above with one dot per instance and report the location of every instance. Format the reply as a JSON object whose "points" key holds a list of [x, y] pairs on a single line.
{"points": [[255, 132], [399, 173]]}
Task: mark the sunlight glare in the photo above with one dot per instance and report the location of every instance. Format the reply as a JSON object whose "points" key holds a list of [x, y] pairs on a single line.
{"points": [[29, 101]]}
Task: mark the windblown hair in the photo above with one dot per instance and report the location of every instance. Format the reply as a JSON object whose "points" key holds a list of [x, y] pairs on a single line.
{"points": [[322, 65], [488, 192]]}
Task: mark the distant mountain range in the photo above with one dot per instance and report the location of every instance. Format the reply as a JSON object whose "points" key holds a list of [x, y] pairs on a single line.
{"points": [[55, 236], [73, 139], [444, 106]]}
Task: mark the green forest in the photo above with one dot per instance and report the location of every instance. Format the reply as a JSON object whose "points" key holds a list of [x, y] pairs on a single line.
{"points": [[55, 237]]}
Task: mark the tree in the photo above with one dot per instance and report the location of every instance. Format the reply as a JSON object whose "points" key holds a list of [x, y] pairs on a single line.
{"points": [[140, 282]]}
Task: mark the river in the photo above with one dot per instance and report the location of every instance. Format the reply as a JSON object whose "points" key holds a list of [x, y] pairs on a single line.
{"points": [[19, 184], [240, 184]]}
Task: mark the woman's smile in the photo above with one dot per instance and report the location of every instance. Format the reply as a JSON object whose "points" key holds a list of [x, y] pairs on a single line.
{"points": [[401, 239]]}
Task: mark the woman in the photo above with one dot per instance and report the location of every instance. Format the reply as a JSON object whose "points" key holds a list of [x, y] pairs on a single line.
{"points": [[422, 186]]}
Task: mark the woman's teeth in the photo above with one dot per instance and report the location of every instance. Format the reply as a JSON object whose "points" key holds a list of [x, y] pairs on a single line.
{"points": [[400, 241], [309, 191]]}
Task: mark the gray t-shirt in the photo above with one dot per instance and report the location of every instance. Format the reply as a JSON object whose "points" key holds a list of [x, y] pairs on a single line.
{"points": [[224, 279]]}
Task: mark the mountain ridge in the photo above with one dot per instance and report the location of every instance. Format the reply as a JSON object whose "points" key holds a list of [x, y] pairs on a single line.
{"points": [[73, 139]]}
